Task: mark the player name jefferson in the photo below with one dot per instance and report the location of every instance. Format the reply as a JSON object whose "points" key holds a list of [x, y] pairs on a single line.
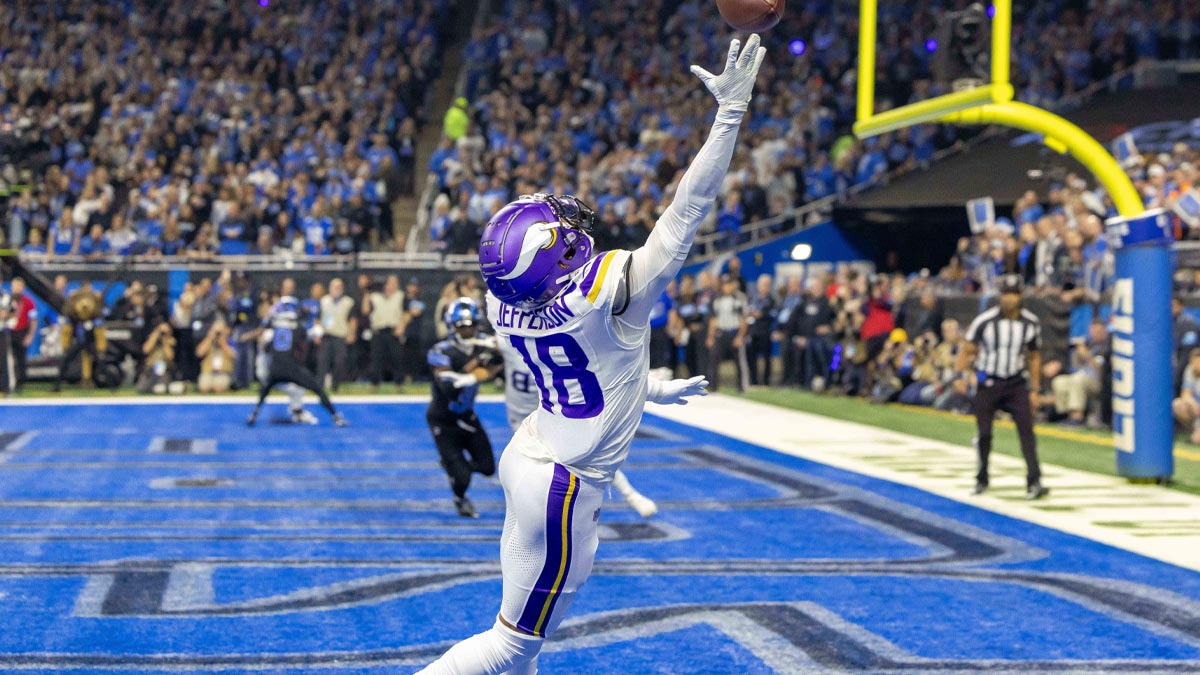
{"points": [[549, 317]]}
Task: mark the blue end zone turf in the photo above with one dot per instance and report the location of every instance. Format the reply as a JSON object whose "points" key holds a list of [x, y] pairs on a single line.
{"points": [[167, 538]]}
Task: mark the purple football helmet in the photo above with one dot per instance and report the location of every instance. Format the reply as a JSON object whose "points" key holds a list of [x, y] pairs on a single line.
{"points": [[531, 246]]}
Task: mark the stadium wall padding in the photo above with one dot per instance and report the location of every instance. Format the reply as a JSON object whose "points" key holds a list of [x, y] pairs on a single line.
{"points": [[830, 244]]}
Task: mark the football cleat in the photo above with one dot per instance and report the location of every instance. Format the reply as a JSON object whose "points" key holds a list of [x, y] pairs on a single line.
{"points": [[1036, 491], [302, 416], [339, 421], [252, 418], [465, 508], [645, 506]]}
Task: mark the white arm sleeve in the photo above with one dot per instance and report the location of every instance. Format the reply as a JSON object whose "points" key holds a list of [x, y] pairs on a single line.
{"points": [[652, 266]]}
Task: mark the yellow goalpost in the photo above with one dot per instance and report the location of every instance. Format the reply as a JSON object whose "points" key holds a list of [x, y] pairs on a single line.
{"points": [[990, 103]]}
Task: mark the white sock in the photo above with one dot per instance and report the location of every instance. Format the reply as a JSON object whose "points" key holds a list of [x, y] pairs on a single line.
{"points": [[493, 652], [623, 487], [295, 397]]}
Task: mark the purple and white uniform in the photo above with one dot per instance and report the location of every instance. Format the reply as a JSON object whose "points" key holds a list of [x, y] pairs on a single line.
{"points": [[583, 332], [591, 381], [521, 396], [588, 354]]}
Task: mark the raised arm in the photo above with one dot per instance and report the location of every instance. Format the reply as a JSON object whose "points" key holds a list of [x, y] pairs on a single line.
{"points": [[652, 266]]}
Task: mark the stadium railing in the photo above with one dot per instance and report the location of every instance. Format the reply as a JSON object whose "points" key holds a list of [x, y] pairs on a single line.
{"points": [[252, 263]]}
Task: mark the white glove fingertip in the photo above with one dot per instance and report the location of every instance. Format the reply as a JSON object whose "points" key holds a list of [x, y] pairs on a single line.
{"points": [[750, 51], [735, 47]]}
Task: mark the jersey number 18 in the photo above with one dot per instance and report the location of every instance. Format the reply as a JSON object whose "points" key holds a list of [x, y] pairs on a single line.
{"points": [[567, 363]]}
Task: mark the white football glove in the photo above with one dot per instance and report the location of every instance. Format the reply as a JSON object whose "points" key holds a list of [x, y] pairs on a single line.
{"points": [[668, 392], [458, 380], [732, 88]]}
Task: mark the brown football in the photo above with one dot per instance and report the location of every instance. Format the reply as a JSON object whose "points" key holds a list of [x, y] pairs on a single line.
{"points": [[751, 16]]}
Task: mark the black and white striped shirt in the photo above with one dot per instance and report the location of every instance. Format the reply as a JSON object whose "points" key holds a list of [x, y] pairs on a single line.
{"points": [[728, 311], [1003, 342]]}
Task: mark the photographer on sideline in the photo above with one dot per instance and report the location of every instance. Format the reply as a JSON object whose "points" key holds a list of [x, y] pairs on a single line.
{"points": [[158, 366], [216, 359]]}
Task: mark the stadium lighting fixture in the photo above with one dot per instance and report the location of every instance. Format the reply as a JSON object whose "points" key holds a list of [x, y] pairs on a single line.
{"points": [[802, 252]]}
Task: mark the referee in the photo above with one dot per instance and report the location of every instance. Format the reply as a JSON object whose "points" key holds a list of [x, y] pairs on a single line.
{"points": [[1004, 343]]}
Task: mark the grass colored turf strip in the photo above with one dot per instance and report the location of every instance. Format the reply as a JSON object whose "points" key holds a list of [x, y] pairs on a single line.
{"points": [[1073, 448]]}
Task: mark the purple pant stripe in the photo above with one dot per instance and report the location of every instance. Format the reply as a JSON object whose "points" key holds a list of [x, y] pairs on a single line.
{"points": [[554, 551], [567, 567]]}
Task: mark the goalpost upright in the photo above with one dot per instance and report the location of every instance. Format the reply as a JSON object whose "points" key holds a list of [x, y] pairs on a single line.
{"points": [[1143, 427]]}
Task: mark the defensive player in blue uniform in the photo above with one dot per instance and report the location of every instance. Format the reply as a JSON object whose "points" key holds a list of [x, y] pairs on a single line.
{"points": [[285, 343], [460, 363], [581, 325]]}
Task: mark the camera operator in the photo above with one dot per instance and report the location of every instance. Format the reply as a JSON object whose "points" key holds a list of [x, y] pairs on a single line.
{"points": [[216, 359], [159, 363]]}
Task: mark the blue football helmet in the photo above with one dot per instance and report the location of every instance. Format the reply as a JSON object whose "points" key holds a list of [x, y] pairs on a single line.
{"points": [[463, 312]]}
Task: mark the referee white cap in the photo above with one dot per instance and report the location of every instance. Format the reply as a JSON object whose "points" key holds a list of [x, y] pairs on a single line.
{"points": [[1011, 283]]}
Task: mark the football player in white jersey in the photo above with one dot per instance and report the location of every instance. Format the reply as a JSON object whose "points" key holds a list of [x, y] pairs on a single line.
{"points": [[581, 325], [521, 398]]}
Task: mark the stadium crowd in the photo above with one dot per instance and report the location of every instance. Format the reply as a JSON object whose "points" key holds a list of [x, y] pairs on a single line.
{"points": [[890, 336], [196, 129], [260, 128], [848, 329], [597, 100]]}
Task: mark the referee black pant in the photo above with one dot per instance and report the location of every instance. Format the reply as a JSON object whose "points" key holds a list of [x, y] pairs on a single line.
{"points": [[463, 448], [286, 368], [1011, 395]]}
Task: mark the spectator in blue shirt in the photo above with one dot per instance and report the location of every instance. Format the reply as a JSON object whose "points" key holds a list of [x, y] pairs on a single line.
{"points": [[122, 238], [94, 246], [64, 236], [661, 343], [77, 169], [819, 179], [171, 243], [729, 221], [34, 245]]}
